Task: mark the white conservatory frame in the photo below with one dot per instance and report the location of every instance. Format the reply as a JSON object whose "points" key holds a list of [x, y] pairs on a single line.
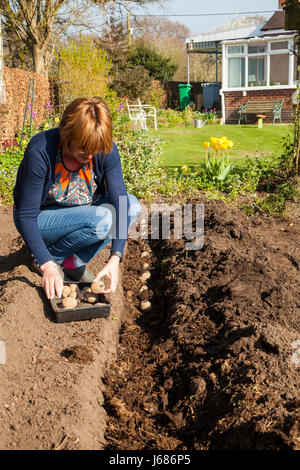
{"points": [[267, 54]]}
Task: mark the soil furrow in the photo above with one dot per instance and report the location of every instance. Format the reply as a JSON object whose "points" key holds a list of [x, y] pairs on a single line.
{"points": [[210, 365]]}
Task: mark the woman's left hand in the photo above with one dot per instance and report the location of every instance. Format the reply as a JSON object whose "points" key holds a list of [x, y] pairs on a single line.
{"points": [[111, 270]]}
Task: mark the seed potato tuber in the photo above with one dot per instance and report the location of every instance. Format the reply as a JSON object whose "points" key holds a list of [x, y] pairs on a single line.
{"points": [[97, 287], [73, 287], [145, 305], [69, 302], [146, 275], [66, 291]]}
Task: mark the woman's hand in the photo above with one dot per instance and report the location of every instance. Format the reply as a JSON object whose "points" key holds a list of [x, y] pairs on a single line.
{"points": [[51, 280], [111, 270]]}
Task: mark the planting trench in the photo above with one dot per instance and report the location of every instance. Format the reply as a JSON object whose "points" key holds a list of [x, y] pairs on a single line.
{"points": [[212, 365]]}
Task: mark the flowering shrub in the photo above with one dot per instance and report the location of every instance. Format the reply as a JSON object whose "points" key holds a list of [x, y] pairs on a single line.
{"points": [[173, 118], [170, 118], [209, 114]]}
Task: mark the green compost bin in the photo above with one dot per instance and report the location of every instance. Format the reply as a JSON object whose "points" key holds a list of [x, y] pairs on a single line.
{"points": [[184, 95]]}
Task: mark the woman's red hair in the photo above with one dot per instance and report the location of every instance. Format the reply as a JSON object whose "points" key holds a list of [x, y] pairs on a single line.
{"points": [[86, 125]]}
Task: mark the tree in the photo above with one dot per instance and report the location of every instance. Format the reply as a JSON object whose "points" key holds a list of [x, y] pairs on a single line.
{"points": [[166, 37], [240, 22], [159, 67], [37, 23], [88, 69]]}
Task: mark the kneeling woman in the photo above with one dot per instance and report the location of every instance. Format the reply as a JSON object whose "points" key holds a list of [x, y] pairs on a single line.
{"points": [[70, 200]]}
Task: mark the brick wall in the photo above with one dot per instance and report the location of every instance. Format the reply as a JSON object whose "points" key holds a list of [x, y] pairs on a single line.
{"points": [[233, 99]]}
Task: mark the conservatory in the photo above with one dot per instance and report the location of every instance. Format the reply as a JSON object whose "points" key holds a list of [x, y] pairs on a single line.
{"points": [[259, 63], [258, 66]]}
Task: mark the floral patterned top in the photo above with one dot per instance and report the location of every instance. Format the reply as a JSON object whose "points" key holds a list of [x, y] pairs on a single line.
{"points": [[72, 188]]}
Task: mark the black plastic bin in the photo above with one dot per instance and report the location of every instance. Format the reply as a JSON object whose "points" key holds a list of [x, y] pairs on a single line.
{"points": [[83, 311]]}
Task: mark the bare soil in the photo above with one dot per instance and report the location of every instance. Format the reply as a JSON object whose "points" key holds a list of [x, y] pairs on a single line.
{"points": [[51, 385], [212, 365]]}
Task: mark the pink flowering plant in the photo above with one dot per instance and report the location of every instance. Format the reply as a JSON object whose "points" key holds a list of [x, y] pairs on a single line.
{"points": [[51, 119], [120, 117]]}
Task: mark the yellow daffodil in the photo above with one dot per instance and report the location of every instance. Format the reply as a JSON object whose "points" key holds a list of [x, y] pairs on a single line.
{"points": [[184, 168], [223, 146], [46, 126], [217, 147], [206, 144], [56, 120], [213, 140], [230, 143]]}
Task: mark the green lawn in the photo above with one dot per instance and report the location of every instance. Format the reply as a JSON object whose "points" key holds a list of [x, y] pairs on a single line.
{"points": [[184, 145]]}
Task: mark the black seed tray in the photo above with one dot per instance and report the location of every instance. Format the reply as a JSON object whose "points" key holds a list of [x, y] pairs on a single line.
{"points": [[83, 311]]}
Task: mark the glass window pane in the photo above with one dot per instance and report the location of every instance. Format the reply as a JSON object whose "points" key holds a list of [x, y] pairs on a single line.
{"points": [[235, 49], [236, 72], [257, 47], [279, 45], [256, 71], [279, 69]]}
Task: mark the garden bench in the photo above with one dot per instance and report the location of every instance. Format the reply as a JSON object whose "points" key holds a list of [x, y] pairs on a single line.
{"points": [[140, 112], [260, 107]]}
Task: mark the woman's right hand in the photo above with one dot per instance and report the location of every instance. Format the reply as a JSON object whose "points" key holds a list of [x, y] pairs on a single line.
{"points": [[51, 280]]}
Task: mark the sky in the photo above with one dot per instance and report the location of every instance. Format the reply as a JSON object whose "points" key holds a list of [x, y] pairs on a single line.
{"points": [[204, 24]]}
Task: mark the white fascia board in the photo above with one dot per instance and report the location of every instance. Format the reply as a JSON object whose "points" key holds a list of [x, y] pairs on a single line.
{"points": [[259, 38], [257, 88], [232, 34]]}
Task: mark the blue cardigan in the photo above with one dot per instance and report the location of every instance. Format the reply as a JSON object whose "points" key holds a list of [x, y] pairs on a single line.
{"points": [[35, 177]]}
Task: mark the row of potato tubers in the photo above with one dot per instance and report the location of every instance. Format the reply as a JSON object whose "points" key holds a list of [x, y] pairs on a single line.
{"points": [[145, 305], [72, 295]]}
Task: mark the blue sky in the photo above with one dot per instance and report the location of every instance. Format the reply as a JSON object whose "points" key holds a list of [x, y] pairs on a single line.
{"points": [[206, 24]]}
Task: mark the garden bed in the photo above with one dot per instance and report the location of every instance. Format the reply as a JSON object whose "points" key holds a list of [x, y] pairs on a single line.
{"points": [[211, 366], [51, 385]]}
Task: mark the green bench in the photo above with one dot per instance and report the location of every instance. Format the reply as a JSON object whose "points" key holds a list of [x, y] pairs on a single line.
{"points": [[260, 107]]}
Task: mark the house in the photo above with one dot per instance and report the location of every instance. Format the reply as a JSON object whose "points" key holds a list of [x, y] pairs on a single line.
{"points": [[258, 64]]}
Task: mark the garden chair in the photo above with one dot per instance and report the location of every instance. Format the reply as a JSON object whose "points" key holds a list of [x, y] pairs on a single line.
{"points": [[137, 114], [150, 112]]}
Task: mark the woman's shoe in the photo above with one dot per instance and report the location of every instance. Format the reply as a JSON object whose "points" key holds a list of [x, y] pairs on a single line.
{"points": [[76, 269], [80, 274]]}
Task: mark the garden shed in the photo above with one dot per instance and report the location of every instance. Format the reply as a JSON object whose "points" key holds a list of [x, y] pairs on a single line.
{"points": [[258, 68]]}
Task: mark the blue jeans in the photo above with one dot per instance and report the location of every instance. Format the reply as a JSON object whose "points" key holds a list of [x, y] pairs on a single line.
{"points": [[81, 230]]}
